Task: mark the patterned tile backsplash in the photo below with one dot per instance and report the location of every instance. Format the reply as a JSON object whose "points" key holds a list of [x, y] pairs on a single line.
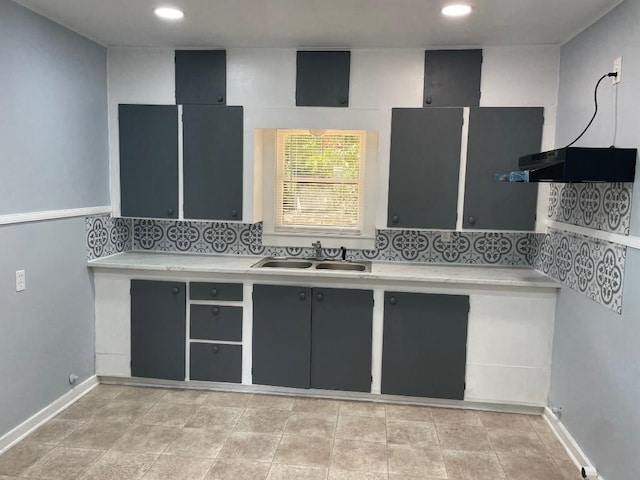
{"points": [[107, 236], [391, 245], [586, 264], [603, 206]]}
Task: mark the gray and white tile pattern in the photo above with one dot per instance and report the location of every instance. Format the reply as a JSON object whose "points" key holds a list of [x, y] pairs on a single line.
{"points": [[602, 206], [424, 246], [107, 236], [586, 264]]}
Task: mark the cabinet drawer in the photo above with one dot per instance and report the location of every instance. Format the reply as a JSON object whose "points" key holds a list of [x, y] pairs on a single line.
{"points": [[215, 322], [216, 362], [215, 291]]}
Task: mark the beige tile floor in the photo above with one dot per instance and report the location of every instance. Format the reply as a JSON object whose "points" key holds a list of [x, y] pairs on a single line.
{"points": [[128, 433]]}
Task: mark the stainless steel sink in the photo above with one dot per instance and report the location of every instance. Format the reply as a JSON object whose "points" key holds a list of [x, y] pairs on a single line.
{"points": [[351, 266], [283, 263], [304, 263]]}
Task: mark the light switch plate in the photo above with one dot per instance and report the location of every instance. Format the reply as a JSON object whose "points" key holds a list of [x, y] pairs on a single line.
{"points": [[21, 280]]}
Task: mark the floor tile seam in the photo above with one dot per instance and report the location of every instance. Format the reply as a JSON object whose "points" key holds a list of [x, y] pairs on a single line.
{"points": [[23, 474], [387, 450], [333, 440], [284, 429]]}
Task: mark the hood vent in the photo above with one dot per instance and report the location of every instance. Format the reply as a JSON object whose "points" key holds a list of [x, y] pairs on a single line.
{"points": [[575, 164]]}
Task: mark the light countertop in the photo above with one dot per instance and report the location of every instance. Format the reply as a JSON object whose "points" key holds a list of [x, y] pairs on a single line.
{"points": [[381, 272]]}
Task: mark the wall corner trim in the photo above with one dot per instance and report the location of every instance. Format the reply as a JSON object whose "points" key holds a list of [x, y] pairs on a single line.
{"points": [[626, 240], [47, 413], [53, 214], [577, 456]]}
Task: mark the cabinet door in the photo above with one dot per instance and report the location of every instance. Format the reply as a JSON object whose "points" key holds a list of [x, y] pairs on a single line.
{"points": [[452, 78], [213, 362], [148, 160], [212, 162], [498, 136], [424, 345], [341, 339], [425, 167], [201, 77], [158, 311], [281, 335], [322, 79], [216, 322]]}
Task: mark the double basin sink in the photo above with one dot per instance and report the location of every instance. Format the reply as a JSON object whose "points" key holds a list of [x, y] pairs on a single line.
{"points": [[314, 264]]}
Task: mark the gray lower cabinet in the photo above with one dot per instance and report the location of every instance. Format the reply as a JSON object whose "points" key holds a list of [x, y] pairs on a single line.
{"points": [[216, 322], [341, 323], [498, 136], [312, 337], [148, 160], [158, 316], [424, 168], [424, 345], [212, 156], [281, 335], [215, 362]]}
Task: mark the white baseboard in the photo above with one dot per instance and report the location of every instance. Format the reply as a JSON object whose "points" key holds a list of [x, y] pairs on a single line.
{"points": [[577, 456], [47, 413]]}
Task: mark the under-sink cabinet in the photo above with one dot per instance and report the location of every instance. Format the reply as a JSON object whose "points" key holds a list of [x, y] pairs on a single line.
{"points": [[312, 337]]}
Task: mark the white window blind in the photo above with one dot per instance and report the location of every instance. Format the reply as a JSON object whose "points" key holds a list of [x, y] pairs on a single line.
{"points": [[320, 177]]}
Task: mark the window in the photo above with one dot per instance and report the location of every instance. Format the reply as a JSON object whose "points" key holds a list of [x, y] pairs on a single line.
{"points": [[317, 184], [320, 180]]}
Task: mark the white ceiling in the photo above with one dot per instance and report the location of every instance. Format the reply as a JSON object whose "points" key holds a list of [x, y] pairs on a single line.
{"points": [[323, 23]]}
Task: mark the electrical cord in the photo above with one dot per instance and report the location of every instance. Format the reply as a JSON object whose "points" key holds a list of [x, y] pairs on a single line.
{"points": [[595, 101]]}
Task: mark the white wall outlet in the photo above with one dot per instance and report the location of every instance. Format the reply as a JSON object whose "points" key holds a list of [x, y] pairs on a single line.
{"points": [[21, 280], [617, 67]]}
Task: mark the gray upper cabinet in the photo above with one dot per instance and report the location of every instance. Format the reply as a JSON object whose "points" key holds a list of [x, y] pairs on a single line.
{"points": [[452, 78], [212, 156], [425, 166], [498, 136], [148, 160], [201, 77], [322, 79]]}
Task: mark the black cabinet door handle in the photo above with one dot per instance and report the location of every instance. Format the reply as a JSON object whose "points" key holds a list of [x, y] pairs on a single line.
{"points": [[234, 213], [319, 297], [170, 212], [215, 310], [342, 101], [428, 100], [175, 290], [302, 296], [393, 300], [395, 219], [472, 220], [214, 292], [215, 349], [220, 98]]}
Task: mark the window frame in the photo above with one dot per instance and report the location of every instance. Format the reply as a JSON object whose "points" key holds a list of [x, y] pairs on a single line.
{"points": [[266, 155]]}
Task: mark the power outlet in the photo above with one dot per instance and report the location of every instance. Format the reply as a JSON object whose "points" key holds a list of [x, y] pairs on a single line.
{"points": [[21, 281], [617, 68]]}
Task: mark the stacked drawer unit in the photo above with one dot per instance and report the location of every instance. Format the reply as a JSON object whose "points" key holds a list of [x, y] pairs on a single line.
{"points": [[215, 332]]}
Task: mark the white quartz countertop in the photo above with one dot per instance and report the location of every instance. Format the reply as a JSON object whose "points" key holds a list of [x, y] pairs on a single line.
{"points": [[380, 271]]}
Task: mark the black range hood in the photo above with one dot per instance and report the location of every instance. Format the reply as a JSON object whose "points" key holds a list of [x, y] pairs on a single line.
{"points": [[575, 164]]}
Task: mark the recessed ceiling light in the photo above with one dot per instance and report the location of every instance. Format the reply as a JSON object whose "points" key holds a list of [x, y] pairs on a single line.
{"points": [[456, 10], [169, 13]]}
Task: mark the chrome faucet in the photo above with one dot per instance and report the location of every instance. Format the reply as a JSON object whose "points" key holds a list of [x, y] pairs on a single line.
{"points": [[317, 249]]}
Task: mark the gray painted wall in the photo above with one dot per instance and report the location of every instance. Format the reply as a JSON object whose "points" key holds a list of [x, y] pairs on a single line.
{"points": [[53, 127], [53, 155], [46, 331], [596, 362]]}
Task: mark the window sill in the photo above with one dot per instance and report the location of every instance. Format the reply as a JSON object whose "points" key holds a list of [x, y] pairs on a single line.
{"points": [[362, 242]]}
